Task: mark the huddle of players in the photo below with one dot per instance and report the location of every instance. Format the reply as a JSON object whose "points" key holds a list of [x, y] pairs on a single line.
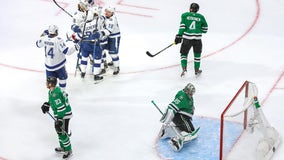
{"points": [[97, 35], [93, 34]]}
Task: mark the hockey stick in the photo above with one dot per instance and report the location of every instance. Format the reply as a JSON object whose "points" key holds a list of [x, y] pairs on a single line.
{"points": [[51, 116], [62, 9], [157, 107], [78, 57], [153, 55]]}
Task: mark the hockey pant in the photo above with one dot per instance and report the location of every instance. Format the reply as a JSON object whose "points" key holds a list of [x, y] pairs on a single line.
{"points": [[86, 51], [197, 50], [63, 136]]}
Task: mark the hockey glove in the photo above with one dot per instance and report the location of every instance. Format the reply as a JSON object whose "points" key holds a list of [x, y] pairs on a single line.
{"points": [[58, 125], [178, 39], [44, 33], [96, 35], [45, 107], [76, 28]]}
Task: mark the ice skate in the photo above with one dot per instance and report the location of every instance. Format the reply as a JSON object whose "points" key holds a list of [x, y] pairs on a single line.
{"points": [[98, 78], [103, 71], [83, 74], [176, 144], [67, 155], [198, 72], [110, 63], [183, 73], [116, 70], [59, 150]]}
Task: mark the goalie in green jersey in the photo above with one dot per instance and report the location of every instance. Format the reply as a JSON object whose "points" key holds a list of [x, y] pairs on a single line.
{"points": [[58, 101], [192, 26], [177, 119]]}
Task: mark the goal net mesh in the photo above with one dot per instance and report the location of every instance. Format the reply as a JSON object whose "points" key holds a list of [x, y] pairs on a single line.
{"points": [[244, 131]]}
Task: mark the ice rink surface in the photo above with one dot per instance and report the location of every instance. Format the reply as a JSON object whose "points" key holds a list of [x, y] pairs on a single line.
{"points": [[115, 119]]}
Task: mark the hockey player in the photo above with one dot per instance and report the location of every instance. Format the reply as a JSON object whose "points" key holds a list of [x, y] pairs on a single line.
{"points": [[91, 42], [177, 119], [192, 26], [112, 31], [55, 51], [58, 101]]}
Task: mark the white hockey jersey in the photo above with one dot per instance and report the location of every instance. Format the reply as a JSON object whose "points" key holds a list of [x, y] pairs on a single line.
{"points": [[111, 27], [55, 51]]}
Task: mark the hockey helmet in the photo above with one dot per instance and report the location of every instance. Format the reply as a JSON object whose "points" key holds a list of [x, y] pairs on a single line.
{"points": [[189, 89], [194, 7], [52, 29], [51, 80], [110, 9], [91, 2]]}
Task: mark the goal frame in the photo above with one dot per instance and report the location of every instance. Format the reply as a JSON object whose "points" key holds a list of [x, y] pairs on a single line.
{"points": [[243, 87]]}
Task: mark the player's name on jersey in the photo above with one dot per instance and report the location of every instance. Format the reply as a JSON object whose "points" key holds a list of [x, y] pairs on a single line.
{"points": [[193, 18], [48, 43]]}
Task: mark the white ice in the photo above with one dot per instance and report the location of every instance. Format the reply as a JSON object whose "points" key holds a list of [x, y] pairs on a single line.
{"points": [[115, 119]]}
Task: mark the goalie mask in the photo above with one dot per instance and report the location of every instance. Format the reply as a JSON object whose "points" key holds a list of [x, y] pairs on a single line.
{"points": [[189, 89], [51, 80], [52, 30]]}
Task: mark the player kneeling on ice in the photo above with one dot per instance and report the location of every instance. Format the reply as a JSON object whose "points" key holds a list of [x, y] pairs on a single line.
{"points": [[177, 119], [59, 103]]}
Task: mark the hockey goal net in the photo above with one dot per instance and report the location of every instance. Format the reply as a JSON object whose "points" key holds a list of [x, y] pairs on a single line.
{"points": [[244, 131]]}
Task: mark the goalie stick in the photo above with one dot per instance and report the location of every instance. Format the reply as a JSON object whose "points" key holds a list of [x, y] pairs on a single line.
{"points": [[153, 55], [157, 107], [62, 9]]}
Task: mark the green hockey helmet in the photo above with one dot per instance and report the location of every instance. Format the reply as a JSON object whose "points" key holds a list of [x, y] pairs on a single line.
{"points": [[51, 80], [194, 7], [189, 89]]}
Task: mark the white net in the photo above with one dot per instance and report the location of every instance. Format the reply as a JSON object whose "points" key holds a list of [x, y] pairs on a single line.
{"points": [[245, 133]]}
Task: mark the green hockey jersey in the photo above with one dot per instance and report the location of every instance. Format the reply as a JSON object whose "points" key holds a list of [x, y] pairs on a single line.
{"points": [[182, 104], [192, 25], [59, 103]]}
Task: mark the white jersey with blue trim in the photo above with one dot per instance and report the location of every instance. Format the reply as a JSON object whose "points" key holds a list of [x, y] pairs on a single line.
{"points": [[96, 24], [55, 51], [111, 27]]}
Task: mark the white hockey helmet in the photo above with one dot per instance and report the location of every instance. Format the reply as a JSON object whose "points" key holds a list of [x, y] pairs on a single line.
{"points": [[52, 29], [189, 89], [110, 9]]}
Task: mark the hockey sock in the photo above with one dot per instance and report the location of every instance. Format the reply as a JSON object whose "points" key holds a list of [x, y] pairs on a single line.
{"points": [[197, 58], [183, 60]]}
